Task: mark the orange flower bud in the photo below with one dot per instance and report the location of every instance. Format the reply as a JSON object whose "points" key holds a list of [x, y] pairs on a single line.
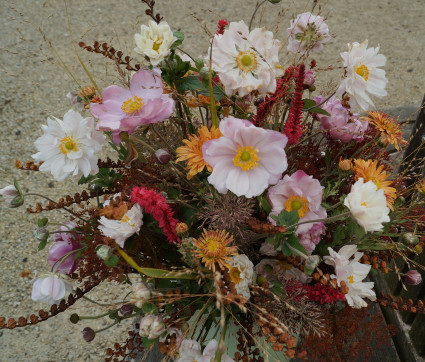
{"points": [[345, 165]]}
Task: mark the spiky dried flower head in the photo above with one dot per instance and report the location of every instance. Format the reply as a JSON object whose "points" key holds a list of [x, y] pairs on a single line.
{"points": [[192, 151], [369, 171], [213, 247], [388, 128], [229, 212]]}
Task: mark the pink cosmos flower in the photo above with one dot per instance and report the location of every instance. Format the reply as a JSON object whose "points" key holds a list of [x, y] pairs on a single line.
{"points": [[64, 244], [302, 193], [246, 159], [123, 110], [341, 124]]}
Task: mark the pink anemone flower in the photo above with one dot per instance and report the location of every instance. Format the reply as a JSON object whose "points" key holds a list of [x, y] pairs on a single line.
{"points": [[123, 110], [247, 159], [302, 193]]}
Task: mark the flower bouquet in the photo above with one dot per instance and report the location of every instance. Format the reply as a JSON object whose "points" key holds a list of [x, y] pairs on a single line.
{"points": [[240, 207]]}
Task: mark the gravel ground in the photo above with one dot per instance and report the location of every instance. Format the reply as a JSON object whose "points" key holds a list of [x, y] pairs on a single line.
{"points": [[34, 86]]}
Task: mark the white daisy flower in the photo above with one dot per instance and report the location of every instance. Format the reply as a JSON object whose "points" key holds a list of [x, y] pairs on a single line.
{"points": [[246, 61], [68, 147], [363, 75], [352, 273], [154, 41]]}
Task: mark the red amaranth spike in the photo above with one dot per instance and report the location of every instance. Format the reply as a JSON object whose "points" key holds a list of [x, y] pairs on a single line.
{"points": [[221, 27], [156, 205]]}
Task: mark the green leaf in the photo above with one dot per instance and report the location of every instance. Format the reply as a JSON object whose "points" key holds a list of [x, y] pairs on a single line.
{"points": [[42, 222], [339, 235], [42, 244], [190, 83], [148, 307], [180, 38], [149, 342], [319, 110], [112, 261], [286, 218], [265, 204], [294, 242], [308, 103]]}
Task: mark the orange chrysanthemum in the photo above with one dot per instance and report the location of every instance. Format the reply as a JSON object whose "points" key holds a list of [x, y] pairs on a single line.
{"points": [[213, 248], [388, 127], [192, 151], [370, 171]]}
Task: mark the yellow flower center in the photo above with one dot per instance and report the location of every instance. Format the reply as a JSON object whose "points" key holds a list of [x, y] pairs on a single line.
{"points": [[377, 183], [235, 275], [363, 72], [363, 204], [156, 45], [126, 220], [132, 105], [297, 203], [213, 246], [246, 158], [68, 145], [246, 61], [351, 279]]}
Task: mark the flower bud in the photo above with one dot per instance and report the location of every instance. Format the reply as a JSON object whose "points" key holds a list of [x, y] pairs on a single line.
{"points": [[274, 1], [41, 234], [261, 280], [12, 196], [345, 165], [309, 78], [141, 294], [205, 73], [126, 310], [312, 262], [181, 228], [74, 318], [151, 326], [409, 239], [104, 252], [88, 334], [412, 277], [163, 156], [418, 249]]}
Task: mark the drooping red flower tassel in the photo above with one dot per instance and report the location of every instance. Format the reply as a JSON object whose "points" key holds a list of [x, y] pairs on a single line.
{"points": [[293, 128], [221, 27], [282, 86], [156, 205], [323, 294]]}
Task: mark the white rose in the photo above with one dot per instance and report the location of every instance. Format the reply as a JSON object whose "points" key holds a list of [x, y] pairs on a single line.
{"points": [[368, 205], [154, 41]]}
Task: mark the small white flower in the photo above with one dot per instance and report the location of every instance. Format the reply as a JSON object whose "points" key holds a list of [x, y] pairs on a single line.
{"points": [[68, 147], [368, 205], [241, 272], [352, 273], [50, 287], [190, 351], [363, 75], [246, 61], [154, 41], [121, 230], [307, 32]]}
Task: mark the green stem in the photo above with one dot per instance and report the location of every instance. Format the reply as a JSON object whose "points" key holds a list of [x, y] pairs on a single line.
{"points": [[255, 12], [95, 317], [163, 139], [326, 220], [143, 143], [219, 352]]}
